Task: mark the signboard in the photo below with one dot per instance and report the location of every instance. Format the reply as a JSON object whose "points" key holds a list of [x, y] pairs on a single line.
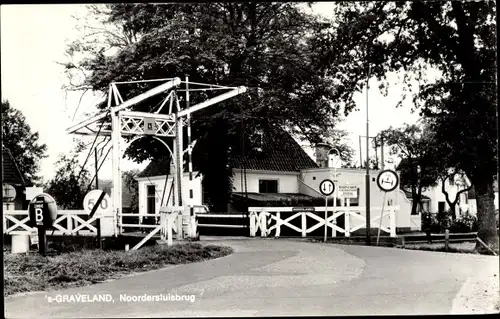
{"points": [[99, 198], [42, 211], [34, 237], [32, 192], [348, 191], [387, 180], [149, 126], [303, 209], [327, 187]]}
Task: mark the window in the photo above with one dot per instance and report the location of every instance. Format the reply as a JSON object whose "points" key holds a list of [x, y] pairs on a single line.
{"points": [[204, 196], [151, 199], [268, 186]]}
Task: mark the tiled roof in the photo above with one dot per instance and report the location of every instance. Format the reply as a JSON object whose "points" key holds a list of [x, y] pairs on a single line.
{"points": [[279, 152], [10, 170]]}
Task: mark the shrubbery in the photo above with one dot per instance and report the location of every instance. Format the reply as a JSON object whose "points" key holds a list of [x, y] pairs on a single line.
{"points": [[463, 224]]}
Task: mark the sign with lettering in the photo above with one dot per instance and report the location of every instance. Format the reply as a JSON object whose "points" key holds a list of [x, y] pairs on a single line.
{"points": [[97, 198], [303, 209], [348, 191], [42, 211]]}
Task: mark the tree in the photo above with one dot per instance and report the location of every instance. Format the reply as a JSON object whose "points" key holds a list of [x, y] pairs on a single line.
{"points": [[22, 142], [456, 40], [419, 168], [70, 184], [460, 180], [268, 47]]}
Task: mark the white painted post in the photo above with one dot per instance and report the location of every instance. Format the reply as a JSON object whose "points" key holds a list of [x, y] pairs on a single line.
{"points": [[263, 224], [347, 223], [304, 224], [163, 230], [115, 139], [252, 224], [278, 224], [392, 221], [169, 229], [69, 223], [179, 226]]}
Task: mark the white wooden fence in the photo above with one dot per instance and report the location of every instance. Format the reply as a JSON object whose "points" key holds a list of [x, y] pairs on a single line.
{"points": [[72, 223], [68, 222], [271, 219]]}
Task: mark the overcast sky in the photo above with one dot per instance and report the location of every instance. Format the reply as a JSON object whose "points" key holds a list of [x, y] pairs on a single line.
{"points": [[34, 37]]}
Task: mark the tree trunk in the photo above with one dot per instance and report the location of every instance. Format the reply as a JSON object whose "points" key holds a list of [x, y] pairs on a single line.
{"points": [[486, 219], [453, 207]]}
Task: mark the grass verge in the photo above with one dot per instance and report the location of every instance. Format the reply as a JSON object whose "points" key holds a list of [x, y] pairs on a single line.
{"points": [[32, 272], [461, 248]]}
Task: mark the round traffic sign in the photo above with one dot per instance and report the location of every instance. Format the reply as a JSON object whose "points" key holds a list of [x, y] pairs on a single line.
{"points": [[387, 180], [91, 199], [327, 187], [42, 211]]}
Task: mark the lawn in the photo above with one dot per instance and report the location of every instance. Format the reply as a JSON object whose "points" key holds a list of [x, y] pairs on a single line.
{"points": [[32, 272]]}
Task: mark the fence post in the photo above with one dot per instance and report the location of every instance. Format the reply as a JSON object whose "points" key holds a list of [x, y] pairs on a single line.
{"points": [[162, 225], [392, 221], [179, 226], [278, 224], [263, 224], [252, 224], [69, 220], [347, 223], [304, 224], [169, 229]]}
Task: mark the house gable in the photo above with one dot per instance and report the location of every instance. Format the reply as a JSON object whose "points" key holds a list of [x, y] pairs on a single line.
{"points": [[279, 153], [10, 171]]}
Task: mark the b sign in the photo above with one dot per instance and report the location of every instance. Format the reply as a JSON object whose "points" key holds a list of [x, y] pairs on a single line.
{"points": [[42, 211], [99, 198]]}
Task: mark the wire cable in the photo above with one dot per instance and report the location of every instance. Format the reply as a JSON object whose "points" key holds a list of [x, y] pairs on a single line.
{"points": [[90, 151]]}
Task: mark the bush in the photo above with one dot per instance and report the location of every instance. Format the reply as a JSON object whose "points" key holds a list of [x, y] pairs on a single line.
{"points": [[464, 224]]}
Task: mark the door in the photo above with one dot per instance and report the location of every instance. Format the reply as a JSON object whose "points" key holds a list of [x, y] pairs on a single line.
{"points": [[151, 199]]}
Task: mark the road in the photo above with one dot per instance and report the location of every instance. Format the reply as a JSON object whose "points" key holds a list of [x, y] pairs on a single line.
{"points": [[268, 277]]}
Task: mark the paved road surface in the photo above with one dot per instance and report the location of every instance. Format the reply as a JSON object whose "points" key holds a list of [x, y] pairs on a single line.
{"points": [[267, 277]]}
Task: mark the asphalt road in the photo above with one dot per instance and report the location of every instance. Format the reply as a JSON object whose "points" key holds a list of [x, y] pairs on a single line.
{"points": [[268, 277]]}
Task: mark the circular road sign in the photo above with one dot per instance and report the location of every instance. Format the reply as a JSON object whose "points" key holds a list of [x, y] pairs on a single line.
{"points": [[387, 180], [327, 187], [91, 199]]}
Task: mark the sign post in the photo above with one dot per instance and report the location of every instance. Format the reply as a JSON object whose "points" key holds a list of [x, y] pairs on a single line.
{"points": [[326, 187], [387, 181], [42, 214]]}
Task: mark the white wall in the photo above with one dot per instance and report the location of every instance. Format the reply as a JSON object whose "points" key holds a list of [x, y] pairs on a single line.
{"points": [[287, 181], [436, 195], [346, 176], [159, 181]]}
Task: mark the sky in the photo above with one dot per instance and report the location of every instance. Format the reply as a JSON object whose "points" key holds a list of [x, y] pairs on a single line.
{"points": [[34, 38]]}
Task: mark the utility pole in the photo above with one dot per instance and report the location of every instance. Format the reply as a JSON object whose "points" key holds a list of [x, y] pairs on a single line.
{"points": [[367, 177]]}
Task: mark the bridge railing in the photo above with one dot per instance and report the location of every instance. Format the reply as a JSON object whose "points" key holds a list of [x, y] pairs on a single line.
{"points": [[269, 220]]}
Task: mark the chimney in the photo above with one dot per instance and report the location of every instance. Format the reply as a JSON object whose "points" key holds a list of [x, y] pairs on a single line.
{"points": [[321, 154]]}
